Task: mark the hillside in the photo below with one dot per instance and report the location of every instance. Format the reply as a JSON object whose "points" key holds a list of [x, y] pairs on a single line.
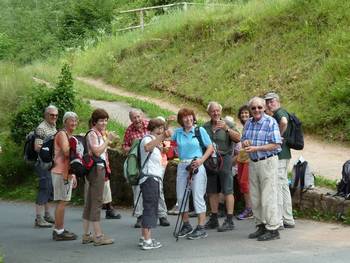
{"points": [[297, 48]]}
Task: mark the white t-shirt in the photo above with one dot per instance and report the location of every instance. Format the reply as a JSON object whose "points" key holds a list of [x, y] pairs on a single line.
{"points": [[154, 166]]}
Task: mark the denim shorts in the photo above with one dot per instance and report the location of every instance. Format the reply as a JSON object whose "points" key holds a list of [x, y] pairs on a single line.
{"points": [[45, 193]]}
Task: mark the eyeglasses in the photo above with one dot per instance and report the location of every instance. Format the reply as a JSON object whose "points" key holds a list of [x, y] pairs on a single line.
{"points": [[53, 115], [258, 107]]}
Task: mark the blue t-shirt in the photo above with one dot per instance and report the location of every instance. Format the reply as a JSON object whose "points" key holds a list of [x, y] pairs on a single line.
{"points": [[187, 143]]}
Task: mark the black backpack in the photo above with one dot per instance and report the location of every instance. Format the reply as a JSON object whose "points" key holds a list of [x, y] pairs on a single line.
{"points": [[343, 187], [295, 138], [30, 155], [47, 152]]}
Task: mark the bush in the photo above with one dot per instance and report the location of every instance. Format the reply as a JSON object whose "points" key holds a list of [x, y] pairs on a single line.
{"points": [[29, 116]]}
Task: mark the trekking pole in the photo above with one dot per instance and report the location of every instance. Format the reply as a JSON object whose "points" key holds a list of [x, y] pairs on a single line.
{"points": [[181, 211], [137, 202]]}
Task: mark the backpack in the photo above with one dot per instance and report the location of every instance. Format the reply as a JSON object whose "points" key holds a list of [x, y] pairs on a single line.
{"points": [[214, 162], [302, 177], [29, 153], [295, 137], [47, 152], [81, 160], [343, 187], [132, 163]]}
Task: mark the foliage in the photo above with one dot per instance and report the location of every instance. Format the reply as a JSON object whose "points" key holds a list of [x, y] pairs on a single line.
{"points": [[228, 54], [30, 113]]}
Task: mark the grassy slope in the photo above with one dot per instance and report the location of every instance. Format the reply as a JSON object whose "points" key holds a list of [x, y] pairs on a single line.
{"points": [[298, 48]]}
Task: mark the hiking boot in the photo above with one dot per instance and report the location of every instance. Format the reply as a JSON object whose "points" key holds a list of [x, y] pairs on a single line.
{"points": [[212, 223], [112, 214], [87, 239], [198, 233], [185, 230], [246, 214], [269, 235], [260, 231], [285, 225], [228, 225], [41, 222], [174, 210], [138, 222], [163, 221], [103, 240], [154, 244], [49, 219], [64, 236]]}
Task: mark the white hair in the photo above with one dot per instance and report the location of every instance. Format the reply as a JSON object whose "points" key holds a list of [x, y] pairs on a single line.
{"points": [[68, 115], [258, 100], [212, 104], [132, 111], [50, 107]]}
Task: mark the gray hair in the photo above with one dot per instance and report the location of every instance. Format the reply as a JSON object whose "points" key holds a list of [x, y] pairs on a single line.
{"points": [[68, 115], [212, 104], [257, 99], [50, 107], [132, 111]]}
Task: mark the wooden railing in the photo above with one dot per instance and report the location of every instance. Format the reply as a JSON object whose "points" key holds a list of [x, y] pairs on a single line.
{"points": [[141, 11]]}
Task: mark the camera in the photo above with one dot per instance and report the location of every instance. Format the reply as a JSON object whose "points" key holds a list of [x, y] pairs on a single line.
{"points": [[190, 169]]}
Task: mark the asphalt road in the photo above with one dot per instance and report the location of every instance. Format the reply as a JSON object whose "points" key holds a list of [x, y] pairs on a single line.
{"points": [[309, 242]]}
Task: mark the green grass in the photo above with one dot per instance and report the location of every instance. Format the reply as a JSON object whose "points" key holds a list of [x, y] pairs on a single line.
{"points": [[297, 48], [321, 181]]}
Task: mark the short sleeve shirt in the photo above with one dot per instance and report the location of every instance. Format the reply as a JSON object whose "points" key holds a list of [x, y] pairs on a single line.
{"points": [[44, 131], [262, 132], [188, 144], [132, 133], [154, 166], [220, 137], [285, 153]]}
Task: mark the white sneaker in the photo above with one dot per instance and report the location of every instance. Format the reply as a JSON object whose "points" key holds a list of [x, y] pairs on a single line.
{"points": [[154, 244]]}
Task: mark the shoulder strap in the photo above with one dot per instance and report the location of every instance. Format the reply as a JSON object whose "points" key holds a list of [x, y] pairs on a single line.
{"points": [[149, 154], [198, 135]]}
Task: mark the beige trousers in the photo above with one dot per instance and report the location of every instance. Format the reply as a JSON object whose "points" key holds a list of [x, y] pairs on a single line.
{"points": [[263, 190], [284, 198]]}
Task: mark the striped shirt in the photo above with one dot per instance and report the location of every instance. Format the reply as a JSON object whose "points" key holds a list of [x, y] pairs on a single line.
{"points": [[262, 132]]}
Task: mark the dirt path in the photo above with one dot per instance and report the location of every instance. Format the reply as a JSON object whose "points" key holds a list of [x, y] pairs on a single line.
{"points": [[325, 159]]}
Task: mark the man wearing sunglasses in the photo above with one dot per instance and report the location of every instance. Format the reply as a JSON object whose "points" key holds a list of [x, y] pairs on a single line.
{"points": [[261, 139], [45, 129], [284, 198]]}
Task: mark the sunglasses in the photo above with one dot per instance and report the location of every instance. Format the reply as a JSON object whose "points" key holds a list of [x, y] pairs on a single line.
{"points": [[259, 108], [53, 115]]}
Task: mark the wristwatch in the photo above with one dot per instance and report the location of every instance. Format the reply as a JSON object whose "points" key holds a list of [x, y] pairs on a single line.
{"points": [[228, 129]]}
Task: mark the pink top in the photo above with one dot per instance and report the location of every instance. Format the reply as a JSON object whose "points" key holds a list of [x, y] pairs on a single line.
{"points": [[61, 164]]}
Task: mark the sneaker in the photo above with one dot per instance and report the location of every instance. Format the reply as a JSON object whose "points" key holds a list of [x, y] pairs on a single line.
{"points": [[228, 225], [49, 219], [246, 214], [154, 244], [212, 223], [185, 230], [112, 214], [174, 210], [163, 221], [260, 231], [269, 235], [64, 236], [103, 240], [87, 239], [41, 222], [198, 233], [138, 222], [141, 240]]}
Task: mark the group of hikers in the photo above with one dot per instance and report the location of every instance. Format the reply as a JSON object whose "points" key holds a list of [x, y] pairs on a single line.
{"points": [[258, 155]]}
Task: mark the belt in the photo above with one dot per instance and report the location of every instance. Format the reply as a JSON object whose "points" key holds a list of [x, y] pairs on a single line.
{"points": [[263, 158]]}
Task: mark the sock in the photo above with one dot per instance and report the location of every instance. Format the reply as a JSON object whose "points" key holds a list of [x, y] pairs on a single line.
{"points": [[148, 241], [47, 213], [38, 216], [186, 224], [229, 217], [59, 231]]}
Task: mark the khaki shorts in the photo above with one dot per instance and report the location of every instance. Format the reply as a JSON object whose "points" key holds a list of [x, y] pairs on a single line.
{"points": [[107, 193], [61, 191]]}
